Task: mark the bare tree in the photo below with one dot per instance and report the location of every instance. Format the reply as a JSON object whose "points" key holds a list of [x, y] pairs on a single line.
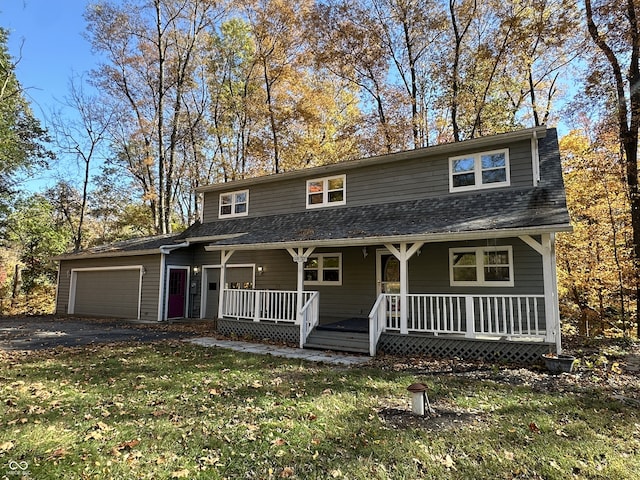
{"points": [[81, 135], [151, 66]]}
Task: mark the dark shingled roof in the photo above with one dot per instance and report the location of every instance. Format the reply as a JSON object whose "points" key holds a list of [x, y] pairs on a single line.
{"points": [[133, 246], [478, 211]]}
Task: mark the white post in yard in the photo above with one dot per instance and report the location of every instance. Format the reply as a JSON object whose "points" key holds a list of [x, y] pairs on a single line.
{"points": [[225, 255]]}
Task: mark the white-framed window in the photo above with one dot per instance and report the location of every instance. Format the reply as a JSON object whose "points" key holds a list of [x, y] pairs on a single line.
{"points": [[328, 191], [234, 204], [479, 170], [481, 266], [323, 269]]}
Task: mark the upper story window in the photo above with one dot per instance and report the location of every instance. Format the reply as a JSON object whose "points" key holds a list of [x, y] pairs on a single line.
{"points": [[479, 170], [481, 266], [323, 192], [234, 204], [323, 269]]}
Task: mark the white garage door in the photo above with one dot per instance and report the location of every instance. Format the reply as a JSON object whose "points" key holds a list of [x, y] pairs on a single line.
{"points": [[111, 293]]}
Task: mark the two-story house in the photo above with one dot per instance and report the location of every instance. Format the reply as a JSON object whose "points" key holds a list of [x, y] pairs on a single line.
{"points": [[445, 250]]}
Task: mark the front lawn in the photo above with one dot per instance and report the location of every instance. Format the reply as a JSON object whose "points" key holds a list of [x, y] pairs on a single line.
{"points": [[176, 410]]}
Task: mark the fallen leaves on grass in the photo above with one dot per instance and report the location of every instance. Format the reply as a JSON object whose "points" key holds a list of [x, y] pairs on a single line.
{"points": [[184, 473], [58, 453], [446, 461], [124, 446], [287, 472], [6, 446]]}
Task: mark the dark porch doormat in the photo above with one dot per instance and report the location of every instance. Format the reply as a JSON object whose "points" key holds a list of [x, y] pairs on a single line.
{"points": [[355, 324]]}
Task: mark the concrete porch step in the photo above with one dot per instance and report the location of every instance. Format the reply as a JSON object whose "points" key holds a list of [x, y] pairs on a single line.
{"points": [[338, 341]]}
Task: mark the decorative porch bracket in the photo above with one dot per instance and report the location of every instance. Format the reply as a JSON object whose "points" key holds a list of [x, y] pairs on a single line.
{"points": [[300, 256], [225, 255], [403, 254], [546, 248]]}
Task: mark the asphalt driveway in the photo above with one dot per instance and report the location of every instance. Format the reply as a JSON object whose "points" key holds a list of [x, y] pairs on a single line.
{"points": [[36, 333]]}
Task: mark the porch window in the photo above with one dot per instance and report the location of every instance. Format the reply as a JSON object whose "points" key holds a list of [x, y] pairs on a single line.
{"points": [[481, 266], [480, 170], [234, 204], [323, 269], [322, 192]]}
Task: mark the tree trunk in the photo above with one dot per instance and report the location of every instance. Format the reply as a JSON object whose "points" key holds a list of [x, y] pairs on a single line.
{"points": [[272, 117], [16, 285], [628, 116], [163, 215]]}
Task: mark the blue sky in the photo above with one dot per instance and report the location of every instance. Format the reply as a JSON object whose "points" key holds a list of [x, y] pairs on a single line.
{"points": [[46, 36]]}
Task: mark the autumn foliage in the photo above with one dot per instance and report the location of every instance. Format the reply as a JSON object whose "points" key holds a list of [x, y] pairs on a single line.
{"points": [[595, 263]]}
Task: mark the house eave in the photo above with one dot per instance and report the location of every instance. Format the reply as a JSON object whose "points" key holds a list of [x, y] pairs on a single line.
{"points": [[111, 254], [164, 249], [426, 152], [426, 238]]}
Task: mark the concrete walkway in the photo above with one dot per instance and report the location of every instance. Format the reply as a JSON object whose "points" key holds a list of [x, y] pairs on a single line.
{"points": [[280, 351]]}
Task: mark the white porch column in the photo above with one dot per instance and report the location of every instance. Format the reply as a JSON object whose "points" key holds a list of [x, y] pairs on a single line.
{"points": [[403, 254], [300, 256], [225, 255], [547, 249]]}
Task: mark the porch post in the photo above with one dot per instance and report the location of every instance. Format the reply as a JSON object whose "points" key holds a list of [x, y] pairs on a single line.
{"points": [[551, 279], [225, 255], [300, 256], [403, 255], [547, 249]]}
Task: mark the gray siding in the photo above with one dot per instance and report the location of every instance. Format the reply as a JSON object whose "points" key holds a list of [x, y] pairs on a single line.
{"points": [[428, 273], [150, 281], [280, 272], [382, 183], [357, 294]]}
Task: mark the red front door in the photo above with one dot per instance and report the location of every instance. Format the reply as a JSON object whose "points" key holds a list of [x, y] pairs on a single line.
{"points": [[177, 293]]}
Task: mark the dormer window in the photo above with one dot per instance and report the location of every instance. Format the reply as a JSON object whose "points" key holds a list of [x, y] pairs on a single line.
{"points": [[234, 204], [480, 170], [323, 192]]}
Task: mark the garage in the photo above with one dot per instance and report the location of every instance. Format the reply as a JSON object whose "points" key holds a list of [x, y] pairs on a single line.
{"points": [[111, 292]]}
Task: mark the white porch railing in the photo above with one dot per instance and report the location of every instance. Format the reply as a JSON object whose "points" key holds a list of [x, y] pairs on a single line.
{"points": [[262, 305], [377, 319], [468, 315], [310, 315]]}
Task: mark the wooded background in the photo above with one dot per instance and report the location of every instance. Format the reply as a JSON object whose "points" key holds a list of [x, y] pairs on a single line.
{"points": [[193, 92]]}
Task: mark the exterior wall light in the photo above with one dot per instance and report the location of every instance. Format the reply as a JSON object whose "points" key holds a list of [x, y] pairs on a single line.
{"points": [[260, 269], [196, 270]]}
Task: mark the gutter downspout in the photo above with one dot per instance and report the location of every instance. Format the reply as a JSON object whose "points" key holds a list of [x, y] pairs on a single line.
{"points": [[535, 159], [165, 250]]}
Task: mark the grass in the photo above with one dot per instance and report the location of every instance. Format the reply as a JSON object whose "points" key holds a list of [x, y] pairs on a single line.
{"points": [[171, 410]]}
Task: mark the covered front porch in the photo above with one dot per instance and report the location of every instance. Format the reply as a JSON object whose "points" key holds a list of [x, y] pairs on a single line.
{"points": [[487, 318], [451, 324]]}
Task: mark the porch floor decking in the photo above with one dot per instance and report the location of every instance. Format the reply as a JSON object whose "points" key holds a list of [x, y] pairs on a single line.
{"points": [[353, 324]]}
